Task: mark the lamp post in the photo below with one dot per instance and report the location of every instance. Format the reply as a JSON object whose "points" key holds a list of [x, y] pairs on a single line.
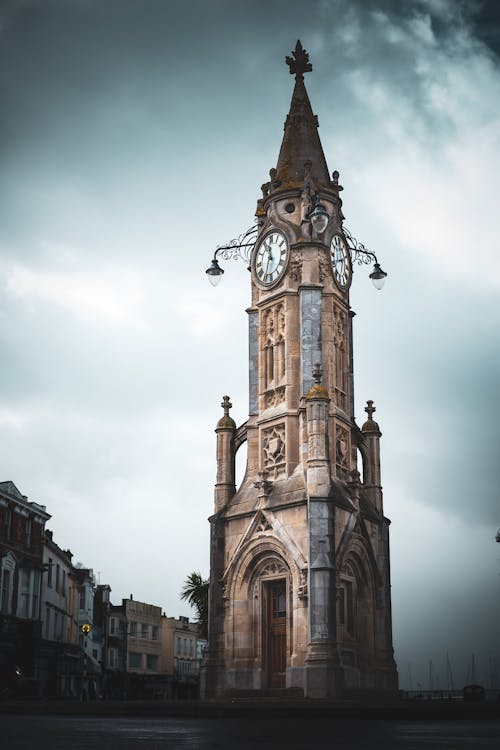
{"points": [[240, 248]]}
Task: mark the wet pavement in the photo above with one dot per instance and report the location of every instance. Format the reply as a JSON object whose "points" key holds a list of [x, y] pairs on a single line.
{"points": [[55, 732]]}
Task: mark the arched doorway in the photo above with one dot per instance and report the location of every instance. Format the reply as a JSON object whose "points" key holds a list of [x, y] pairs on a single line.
{"points": [[275, 622]]}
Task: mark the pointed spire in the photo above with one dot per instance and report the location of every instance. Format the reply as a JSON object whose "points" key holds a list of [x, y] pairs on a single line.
{"points": [[301, 156]]}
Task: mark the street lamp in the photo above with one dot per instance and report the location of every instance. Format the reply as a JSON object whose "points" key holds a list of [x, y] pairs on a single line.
{"points": [[378, 276], [319, 216], [214, 271]]}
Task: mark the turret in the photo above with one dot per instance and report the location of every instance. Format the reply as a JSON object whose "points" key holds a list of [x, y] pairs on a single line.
{"points": [[371, 457], [225, 484]]}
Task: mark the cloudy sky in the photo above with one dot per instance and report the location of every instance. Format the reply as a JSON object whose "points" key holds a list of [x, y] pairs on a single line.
{"points": [[134, 139]]}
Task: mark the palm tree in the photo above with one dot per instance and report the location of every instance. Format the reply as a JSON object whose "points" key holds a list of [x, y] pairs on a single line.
{"points": [[195, 592]]}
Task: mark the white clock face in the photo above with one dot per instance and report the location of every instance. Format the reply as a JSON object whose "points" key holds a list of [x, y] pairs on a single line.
{"points": [[341, 261], [270, 258]]}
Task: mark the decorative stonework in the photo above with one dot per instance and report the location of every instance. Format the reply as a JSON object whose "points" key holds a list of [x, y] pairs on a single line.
{"points": [[295, 266], [342, 452], [262, 524], [273, 345], [274, 568], [325, 268], [274, 397], [340, 320], [273, 449], [341, 359]]}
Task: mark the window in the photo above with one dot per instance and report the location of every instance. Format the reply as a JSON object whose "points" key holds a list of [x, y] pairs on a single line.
{"points": [[8, 523], [95, 654], [179, 646], [81, 598], [63, 586], [185, 647], [56, 626], [27, 533], [112, 626], [144, 630], [29, 593], [7, 567], [49, 573], [151, 662], [134, 660], [57, 577], [154, 632], [111, 657], [191, 651], [133, 629]]}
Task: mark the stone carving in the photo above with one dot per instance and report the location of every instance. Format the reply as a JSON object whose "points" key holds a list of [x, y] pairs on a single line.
{"points": [[341, 369], [274, 397], [325, 268], [273, 345], [339, 327], [263, 484], [274, 450], [342, 452], [273, 568], [262, 524], [295, 266]]}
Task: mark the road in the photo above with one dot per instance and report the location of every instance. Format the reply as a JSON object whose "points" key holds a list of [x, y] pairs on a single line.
{"points": [[28, 732]]}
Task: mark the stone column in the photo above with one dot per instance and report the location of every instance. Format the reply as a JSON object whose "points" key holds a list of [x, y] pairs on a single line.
{"points": [[323, 677]]}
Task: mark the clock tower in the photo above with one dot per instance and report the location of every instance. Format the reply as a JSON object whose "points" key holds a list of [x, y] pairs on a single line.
{"points": [[299, 553]]}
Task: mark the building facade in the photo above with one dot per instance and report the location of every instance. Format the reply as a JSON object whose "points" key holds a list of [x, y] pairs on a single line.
{"points": [[182, 651], [61, 659], [299, 580], [22, 526]]}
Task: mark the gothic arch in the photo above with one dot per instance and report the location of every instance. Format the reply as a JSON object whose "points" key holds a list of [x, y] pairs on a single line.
{"points": [[250, 558], [261, 561], [357, 606]]}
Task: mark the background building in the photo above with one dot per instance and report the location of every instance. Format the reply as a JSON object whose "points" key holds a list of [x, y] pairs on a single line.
{"points": [[61, 662], [21, 567]]}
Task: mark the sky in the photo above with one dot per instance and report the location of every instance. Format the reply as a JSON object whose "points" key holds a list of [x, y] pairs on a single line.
{"points": [[134, 137]]}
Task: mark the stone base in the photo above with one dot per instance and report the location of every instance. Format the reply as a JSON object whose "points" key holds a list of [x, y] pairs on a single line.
{"points": [[323, 681]]}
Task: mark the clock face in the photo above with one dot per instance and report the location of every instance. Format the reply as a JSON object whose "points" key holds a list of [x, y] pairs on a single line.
{"points": [[271, 258], [341, 261]]}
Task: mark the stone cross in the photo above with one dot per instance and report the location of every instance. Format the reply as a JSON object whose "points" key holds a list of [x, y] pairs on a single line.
{"points": [[370, 409], [226, 405]]}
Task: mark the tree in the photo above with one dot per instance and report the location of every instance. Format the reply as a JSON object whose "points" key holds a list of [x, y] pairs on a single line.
{"points": [[195, 593]]}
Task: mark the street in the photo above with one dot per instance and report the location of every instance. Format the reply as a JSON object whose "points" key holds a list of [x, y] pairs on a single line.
{"points": [[23, 732]]}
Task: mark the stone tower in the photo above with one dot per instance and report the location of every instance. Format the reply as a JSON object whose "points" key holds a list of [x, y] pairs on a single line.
{"points": [[299, 569]]}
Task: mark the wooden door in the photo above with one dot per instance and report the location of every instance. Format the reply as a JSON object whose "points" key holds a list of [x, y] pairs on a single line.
{"points": [[276, 634]]}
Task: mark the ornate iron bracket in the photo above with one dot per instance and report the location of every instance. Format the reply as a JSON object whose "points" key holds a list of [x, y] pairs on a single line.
{"points": [[240, 248], [359, 253]]}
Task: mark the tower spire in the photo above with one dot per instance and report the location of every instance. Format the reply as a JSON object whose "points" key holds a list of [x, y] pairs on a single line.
{"points": [[301, 156]]}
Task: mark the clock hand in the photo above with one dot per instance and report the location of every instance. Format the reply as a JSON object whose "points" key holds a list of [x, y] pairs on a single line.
{"points": [[268, 261]]}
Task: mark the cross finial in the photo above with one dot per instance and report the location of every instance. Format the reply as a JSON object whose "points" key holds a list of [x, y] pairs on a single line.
{"points": [[299, 63], [317, 373], [369, 408], [226, 405]]}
